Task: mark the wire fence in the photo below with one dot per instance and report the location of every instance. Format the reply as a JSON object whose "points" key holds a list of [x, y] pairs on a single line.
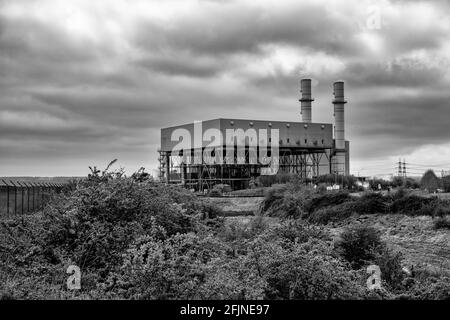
{"points": [[18, 197]]}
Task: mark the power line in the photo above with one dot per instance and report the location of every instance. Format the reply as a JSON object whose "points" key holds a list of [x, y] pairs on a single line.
{"points": [[429, 165]]}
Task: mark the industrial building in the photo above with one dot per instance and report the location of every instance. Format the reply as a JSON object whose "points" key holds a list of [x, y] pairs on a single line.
{"points": [[305, 148]]}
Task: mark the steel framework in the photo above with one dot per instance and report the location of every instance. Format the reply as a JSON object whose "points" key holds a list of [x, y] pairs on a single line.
{"points": [[305, 162]]}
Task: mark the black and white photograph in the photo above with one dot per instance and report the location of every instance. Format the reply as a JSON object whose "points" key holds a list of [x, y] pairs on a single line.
{"points": [[224, 155]]}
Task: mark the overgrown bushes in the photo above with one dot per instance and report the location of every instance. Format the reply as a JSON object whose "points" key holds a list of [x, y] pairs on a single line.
{"points": [[359, 245], [332, 213], [317, 201], [362, 246], [295, 200], [137, 239], [442, 223], [185, 266], [93, 226], [134, 238]]}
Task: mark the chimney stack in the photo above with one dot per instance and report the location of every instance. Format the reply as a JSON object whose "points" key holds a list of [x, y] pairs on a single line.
{"points": [[339, 119], [340, 163], [305, 101]]}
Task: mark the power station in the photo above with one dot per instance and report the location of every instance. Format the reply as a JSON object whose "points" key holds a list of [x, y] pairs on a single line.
{"points": [[305, 148]]}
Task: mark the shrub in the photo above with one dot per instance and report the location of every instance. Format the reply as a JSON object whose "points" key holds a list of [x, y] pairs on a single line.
{"points": [[442, 209], [322, 200], [222, 188], [441, 223], [371, 203], [332, 213], [430, 288], [273, 196], [359, 245], [413, 205], [430, 181], [210, 211], [214, 193], [138, 239], [374, 183], [287, 200], [446, 183], [390, 267], [305, 270], [235, 232], [94, 224], [184, 266], [293, 231]]}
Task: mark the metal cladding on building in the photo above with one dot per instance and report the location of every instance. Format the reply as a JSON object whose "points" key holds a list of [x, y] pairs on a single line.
{"points": [[306, 100], [305, 148], [291, 134]]}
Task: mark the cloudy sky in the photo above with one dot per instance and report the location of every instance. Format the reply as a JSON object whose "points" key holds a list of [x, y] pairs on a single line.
{"points": [[85, 82]]}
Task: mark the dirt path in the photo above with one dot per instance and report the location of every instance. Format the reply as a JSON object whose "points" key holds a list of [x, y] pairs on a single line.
{"points": [[239, 206]]}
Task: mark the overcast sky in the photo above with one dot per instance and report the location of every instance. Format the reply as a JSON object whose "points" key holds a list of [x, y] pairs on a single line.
{"points": [[85, 82]]}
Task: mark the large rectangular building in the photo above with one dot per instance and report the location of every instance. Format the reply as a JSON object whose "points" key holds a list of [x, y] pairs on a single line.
{"points": [[304, 148]]}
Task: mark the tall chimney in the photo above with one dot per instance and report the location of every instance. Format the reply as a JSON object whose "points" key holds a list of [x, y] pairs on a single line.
{"points": [[339, 121], [339, 128], [305, 101]]}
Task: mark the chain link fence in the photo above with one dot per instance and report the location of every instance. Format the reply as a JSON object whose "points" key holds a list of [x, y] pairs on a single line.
{"points": [[18, 197]]}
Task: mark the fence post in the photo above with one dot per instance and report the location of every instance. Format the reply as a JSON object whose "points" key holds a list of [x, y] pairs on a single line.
{"points": [[42, 195], [32, 189], [43, 188], [39, 195], [15, 197], [21, 195], [7, 197], [28, 197], [36, 195]]}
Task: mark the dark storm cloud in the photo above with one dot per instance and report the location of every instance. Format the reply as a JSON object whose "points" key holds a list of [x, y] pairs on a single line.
{"points": [[99, 83], [235, 30], [395, 74], [185, 65], [402, 122], [407, 116]]}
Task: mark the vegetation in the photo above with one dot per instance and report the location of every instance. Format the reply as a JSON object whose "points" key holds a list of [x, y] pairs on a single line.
{"points": [[359, 245], [134, 238], [219, 189], [446, 183], [294, 200], [430, 181], [404, 182], [442, 223]]}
